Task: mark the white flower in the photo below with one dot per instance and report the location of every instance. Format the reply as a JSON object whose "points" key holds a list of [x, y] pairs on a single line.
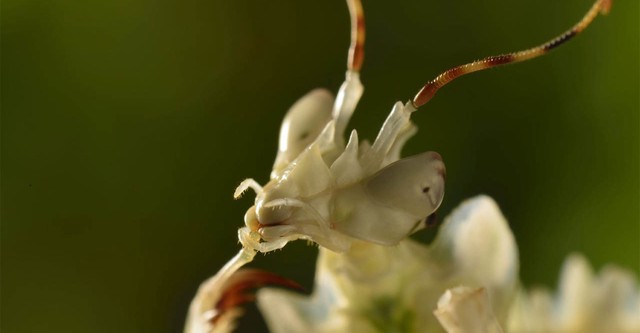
{"points": [[466, 281], [374, 288], [585, 303]]}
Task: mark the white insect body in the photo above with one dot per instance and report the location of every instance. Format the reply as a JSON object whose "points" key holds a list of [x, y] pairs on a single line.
{"points": [[332, 193]]}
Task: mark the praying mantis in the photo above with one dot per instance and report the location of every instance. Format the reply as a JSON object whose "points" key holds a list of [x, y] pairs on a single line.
{"points": [[346, 194]]}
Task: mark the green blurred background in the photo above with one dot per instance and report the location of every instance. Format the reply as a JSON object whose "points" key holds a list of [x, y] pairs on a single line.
{"points": [[126, 126]]}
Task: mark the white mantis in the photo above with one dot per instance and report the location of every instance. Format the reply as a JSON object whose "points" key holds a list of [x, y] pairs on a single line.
{"points": [[338, 192]]}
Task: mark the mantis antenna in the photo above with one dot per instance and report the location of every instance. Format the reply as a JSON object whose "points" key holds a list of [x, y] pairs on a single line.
{"points": [[351, 90], [429, 90], [356, 49]]}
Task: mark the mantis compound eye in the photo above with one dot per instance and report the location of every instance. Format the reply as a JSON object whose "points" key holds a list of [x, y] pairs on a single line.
{"points": [[414, 184], [302, 125], [394, 202]]}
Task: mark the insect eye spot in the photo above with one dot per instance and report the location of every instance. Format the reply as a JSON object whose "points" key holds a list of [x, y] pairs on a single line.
{"points": [[426, 189]]}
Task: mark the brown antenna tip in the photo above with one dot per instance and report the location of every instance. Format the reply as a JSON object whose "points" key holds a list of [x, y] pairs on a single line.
{"points": [[605, 6], [430, 88]]}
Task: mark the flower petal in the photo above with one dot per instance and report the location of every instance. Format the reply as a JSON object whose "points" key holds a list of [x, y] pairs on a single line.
{"points": [[585, 303], [476, 247], [467, 310]]}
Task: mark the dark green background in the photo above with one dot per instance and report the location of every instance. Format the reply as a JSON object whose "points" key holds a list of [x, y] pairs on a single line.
{"points": [[126, 126]]}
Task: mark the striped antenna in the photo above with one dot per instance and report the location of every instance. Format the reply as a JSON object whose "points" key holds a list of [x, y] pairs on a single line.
{"points": [[356, 49], [429, 90]]}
